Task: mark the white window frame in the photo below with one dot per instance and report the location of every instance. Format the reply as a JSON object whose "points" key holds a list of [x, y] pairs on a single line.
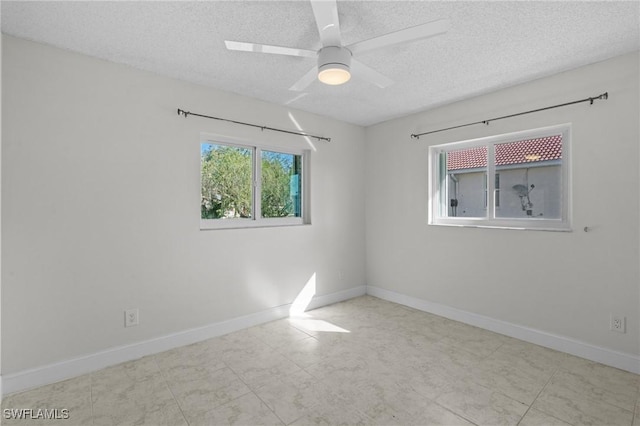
{"points": [[490, 220], [256, 220]]}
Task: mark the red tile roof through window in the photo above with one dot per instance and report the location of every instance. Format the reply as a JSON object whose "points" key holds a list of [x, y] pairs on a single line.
{"points": [[526, 151]]}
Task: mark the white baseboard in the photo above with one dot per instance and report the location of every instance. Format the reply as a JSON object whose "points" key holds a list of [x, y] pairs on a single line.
{"points": [[329, 299], [623, 361], [52, 373]]}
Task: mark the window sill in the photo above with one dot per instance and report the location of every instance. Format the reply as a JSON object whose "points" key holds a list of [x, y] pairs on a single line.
{"points": [[215, 224], [553, 226]]}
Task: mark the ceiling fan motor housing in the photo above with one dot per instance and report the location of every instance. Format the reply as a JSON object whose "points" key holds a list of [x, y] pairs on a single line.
{"points": [[334, 58]]}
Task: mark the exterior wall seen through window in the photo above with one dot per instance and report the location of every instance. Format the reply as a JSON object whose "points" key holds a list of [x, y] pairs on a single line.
{"points": [[519, 180]]}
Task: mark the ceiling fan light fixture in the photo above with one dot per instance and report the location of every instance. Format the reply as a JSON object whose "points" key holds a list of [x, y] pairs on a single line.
{"points": [[334, 65], [334, 74]]}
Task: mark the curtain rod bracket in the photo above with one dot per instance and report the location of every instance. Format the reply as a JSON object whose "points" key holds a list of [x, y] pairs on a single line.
{"points": [[605, 95]]}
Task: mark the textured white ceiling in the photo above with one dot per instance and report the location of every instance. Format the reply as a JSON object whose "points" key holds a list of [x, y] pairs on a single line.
{"points": [[489, 45]]}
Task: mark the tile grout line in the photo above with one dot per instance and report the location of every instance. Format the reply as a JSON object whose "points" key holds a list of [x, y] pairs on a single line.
{"points": [[496, 350], [250, 391], [299, 329], [267, 405], [538, 395], [166, 383], [451, 411]]}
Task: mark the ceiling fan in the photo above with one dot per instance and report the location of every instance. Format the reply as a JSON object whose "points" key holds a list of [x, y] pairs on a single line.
{"points": [[336, 62]]}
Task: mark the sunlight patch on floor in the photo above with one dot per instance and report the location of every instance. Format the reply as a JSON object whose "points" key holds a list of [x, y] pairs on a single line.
{"points": [[311, 324], [306, 322]]}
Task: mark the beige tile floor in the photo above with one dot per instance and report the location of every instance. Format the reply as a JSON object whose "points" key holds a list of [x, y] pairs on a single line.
{"points": [[364, 361]]}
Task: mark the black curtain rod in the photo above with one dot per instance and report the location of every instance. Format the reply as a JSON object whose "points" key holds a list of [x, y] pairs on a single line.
{"points": [[590, 100], [187, 113]]}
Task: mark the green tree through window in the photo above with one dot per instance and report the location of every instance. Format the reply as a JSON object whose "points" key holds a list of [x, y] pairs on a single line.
{"points": [[227, 183], [280, 184]]}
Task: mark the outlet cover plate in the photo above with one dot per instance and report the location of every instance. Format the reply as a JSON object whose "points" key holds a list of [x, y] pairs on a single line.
{"points": [[131, 317], [618, 323]]}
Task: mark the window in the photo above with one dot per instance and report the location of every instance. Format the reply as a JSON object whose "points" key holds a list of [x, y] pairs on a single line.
{"points": [[518, 180], [496, 190], [245, 186]]}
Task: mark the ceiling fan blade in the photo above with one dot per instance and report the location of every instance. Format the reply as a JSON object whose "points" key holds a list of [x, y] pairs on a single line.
{"points": [[306, 80], [326, 14], [266, 48], [410, 34], [367, 73]]}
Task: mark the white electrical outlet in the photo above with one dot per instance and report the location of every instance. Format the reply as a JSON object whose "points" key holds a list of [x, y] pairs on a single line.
{"points": [[131, 317], [618, 323]]}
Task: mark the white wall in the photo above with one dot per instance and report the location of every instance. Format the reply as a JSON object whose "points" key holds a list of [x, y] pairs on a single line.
{"points": [[100, 210], [101, 205], [1, 39], [580, 278]]}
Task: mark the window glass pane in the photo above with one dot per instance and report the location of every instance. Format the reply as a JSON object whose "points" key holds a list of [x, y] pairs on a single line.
{"points": [[281, 184], [465, 185], [530, 182], [226, 188]]}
